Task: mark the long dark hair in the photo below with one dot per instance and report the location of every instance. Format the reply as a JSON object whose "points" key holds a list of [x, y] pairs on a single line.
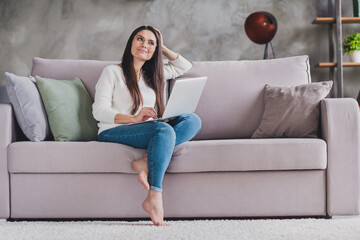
{"points": [[152, 71]]}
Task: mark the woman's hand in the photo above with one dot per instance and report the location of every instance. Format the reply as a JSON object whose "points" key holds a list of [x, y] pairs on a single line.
{"points": [[145, 113], [167, 52], [161, 45]]}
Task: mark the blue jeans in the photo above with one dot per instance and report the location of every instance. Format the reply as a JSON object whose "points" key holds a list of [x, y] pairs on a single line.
{"points": [[159, 138]]}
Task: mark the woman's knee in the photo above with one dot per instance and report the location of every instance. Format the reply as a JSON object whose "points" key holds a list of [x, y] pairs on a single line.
{"points": [[166, 130], [194, 119]]}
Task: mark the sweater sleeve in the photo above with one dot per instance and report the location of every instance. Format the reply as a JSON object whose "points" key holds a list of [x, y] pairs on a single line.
{"points": [[177, 67], [104, 89]]}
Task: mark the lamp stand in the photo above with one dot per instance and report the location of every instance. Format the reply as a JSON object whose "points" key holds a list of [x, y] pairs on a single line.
{"points": [[266, 55]]}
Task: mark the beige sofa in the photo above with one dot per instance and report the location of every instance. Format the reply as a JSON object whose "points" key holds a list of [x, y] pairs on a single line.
{"points": [[221, 173]]}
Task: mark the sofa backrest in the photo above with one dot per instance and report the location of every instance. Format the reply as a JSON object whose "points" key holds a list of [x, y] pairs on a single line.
{"points": [[63, 69], [231, 105]]}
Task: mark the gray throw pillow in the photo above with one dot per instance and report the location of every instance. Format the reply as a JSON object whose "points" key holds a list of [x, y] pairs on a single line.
{"points": [[28, 107], [292, 111]]}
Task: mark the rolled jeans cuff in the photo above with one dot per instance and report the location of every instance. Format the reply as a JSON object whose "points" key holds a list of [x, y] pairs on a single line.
{"points": [[155, 189]]}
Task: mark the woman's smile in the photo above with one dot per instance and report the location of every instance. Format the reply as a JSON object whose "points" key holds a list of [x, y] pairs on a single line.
{"points": [[142, 50]]}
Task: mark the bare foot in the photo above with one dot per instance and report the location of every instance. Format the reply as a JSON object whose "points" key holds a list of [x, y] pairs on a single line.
{"points": [[153, 205], [141, 167]]}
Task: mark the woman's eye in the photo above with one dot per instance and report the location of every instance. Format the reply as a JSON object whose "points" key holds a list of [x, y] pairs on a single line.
{"points": [[139, 38], [151, 43]]}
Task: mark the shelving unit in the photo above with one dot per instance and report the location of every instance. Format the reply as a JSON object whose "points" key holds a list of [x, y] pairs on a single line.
{"points": [[326, 20], [336, 21], [333, 64]]}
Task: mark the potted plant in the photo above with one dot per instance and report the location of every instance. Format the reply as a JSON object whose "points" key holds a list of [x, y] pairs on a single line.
{"points": [[351, 46]]}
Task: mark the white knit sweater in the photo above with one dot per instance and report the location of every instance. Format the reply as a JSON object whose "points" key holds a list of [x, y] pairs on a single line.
{"points": [[112, 95]]}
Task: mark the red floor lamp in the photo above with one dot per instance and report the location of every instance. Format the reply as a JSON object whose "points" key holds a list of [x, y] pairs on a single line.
{"points": [[261, 27]]}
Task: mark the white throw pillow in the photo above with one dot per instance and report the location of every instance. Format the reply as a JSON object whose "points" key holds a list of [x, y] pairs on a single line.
{"points": [[28, 107]]}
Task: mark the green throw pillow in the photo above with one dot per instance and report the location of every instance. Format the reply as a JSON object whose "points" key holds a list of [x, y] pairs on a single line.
{"points": [[69, 109]]}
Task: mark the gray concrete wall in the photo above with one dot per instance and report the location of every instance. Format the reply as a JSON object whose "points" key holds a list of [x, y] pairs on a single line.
{"points": [[199, 29]]}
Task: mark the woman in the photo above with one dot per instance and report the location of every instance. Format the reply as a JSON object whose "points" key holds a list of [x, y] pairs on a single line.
{"points": [[133, 92]]}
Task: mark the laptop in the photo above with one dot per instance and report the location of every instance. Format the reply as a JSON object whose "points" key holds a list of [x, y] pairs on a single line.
{"points": [[184, 97]]}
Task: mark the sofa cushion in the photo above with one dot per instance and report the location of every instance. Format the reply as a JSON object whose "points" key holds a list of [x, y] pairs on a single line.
{"points": [[68, 107], [232, 103], [292, 111], [28, 107], [193, 156], [71, 157], [250, 155]]}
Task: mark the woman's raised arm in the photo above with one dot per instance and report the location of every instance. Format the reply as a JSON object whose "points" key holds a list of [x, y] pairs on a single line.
{"points": [[177, 65]]}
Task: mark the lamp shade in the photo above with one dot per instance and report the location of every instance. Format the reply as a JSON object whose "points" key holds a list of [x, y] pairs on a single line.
{"points": [[260, 27]]}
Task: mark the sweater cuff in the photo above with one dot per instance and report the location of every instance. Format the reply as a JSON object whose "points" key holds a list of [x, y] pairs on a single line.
{"points": [[180, 59], [109, 116], [183, 63]]}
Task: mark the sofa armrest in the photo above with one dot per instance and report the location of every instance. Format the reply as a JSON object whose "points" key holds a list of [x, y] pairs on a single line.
{"points": [[340, 123], [7, 133]]}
